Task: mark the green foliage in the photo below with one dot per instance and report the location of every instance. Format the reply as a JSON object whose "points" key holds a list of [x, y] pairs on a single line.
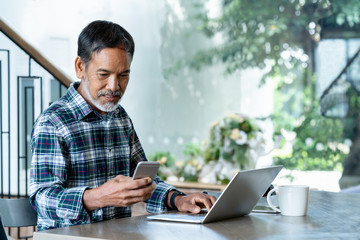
{"points": [[319, 141], [345, 13], [192, 150], [258, 33], [279, 37], [274, 35], [223, 181], [350, 122], [318, 144]]}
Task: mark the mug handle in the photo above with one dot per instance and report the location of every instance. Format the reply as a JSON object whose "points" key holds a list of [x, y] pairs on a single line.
{"points": [[268, 198]]}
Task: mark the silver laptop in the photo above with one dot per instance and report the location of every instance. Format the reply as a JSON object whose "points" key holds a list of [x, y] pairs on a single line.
{"points": [[238, 198]]}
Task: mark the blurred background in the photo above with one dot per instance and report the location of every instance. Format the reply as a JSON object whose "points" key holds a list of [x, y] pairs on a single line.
{"points": [[216, 85]]}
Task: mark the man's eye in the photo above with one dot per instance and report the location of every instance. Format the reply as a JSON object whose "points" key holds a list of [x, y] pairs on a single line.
{"points": [[103, 74]]}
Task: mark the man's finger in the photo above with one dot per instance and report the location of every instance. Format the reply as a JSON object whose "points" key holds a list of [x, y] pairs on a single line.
{"points": [[212, 199], [195, 202], [189, 207], [202, 199], [139, 183]]}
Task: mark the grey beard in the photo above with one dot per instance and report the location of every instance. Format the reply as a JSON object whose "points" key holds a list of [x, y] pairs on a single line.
{"points": [[106, 107]]}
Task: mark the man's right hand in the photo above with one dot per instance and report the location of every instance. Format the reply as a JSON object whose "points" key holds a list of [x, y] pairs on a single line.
{"points": [[120, 191]]}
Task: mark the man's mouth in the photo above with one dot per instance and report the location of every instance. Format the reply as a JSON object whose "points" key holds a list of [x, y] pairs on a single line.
{"points": [[110, 98]]}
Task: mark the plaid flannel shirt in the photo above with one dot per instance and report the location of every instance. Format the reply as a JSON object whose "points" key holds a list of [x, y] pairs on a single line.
{"points": [[74, 149]]}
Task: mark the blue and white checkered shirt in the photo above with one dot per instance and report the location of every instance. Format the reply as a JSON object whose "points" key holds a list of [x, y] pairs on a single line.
{"points": [[75, 148]]}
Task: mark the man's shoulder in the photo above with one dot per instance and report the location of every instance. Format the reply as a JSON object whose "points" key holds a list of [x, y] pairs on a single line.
{"points": [[59, 112], [123, 115]]}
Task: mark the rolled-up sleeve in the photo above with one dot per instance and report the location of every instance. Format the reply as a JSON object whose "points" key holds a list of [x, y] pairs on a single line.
{"points": [[157, 202]]}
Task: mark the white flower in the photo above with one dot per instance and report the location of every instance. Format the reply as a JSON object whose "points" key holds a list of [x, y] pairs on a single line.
{"points": [[209, 172], [214, 124], [190, 169], [172, 178], [166, 171], [217, 169], [200, 161], [288, 135], [227, 147], [309, 141], [332, 145], [228, 169], [234, 116], [319, 146], [252, 156], [235, 134], [348, 142], [259, 143], [179, 164], [344, 148], [216, 134], [256, 140], [242, 138]]}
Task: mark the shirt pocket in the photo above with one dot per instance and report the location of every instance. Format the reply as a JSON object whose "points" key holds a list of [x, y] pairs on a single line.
{"points": [[86, 169], [122, 158]]}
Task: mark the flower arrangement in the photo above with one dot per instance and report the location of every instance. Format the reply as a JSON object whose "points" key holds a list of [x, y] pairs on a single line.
{"points": [[234, 144], [233, 138]]}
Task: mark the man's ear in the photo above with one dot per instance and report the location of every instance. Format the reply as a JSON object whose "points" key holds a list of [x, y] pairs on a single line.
{"points": [[79, 68]]}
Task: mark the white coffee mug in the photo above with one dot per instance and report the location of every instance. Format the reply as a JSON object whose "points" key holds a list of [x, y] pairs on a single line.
{"points": [[293, 200]]}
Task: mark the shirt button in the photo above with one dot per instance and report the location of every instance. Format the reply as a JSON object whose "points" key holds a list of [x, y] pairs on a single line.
{"points": [[110, 154]]}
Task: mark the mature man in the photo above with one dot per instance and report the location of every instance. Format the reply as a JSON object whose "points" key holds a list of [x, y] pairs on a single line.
{"points": [[85, 147]]}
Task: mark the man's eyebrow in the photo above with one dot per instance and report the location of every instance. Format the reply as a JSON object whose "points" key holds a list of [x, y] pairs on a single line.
{"points": [[108, 71], [103, 70]]}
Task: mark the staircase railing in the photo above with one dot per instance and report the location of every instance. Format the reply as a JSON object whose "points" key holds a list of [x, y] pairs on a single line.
{"points": [[34, 54], [28, 84]]}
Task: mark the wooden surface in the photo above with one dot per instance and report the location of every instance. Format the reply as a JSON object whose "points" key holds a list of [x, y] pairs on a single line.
{"points": [[330, 216]]}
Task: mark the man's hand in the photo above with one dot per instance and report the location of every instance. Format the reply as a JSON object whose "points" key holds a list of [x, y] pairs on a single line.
{"points": [[194, 202], [120, 191]]}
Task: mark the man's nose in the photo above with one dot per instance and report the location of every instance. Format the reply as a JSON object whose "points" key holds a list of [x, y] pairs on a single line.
{"points": [[113, 84]]}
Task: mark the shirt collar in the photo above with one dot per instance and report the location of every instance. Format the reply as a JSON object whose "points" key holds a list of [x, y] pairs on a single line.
{"points": [[78, 104]]}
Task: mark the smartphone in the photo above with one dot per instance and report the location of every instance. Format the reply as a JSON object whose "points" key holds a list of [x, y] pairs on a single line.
{"points": [[263, 209], [146, 169]]}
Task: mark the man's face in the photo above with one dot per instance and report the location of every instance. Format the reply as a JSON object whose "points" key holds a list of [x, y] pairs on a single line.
{"points": [[104, 80]]}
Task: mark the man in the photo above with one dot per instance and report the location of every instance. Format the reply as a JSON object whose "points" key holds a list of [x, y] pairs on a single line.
{"points": [[85, 147]]}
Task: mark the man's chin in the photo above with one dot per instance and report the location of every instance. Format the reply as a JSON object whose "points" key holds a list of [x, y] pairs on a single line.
{"points": [[109, 106]]}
